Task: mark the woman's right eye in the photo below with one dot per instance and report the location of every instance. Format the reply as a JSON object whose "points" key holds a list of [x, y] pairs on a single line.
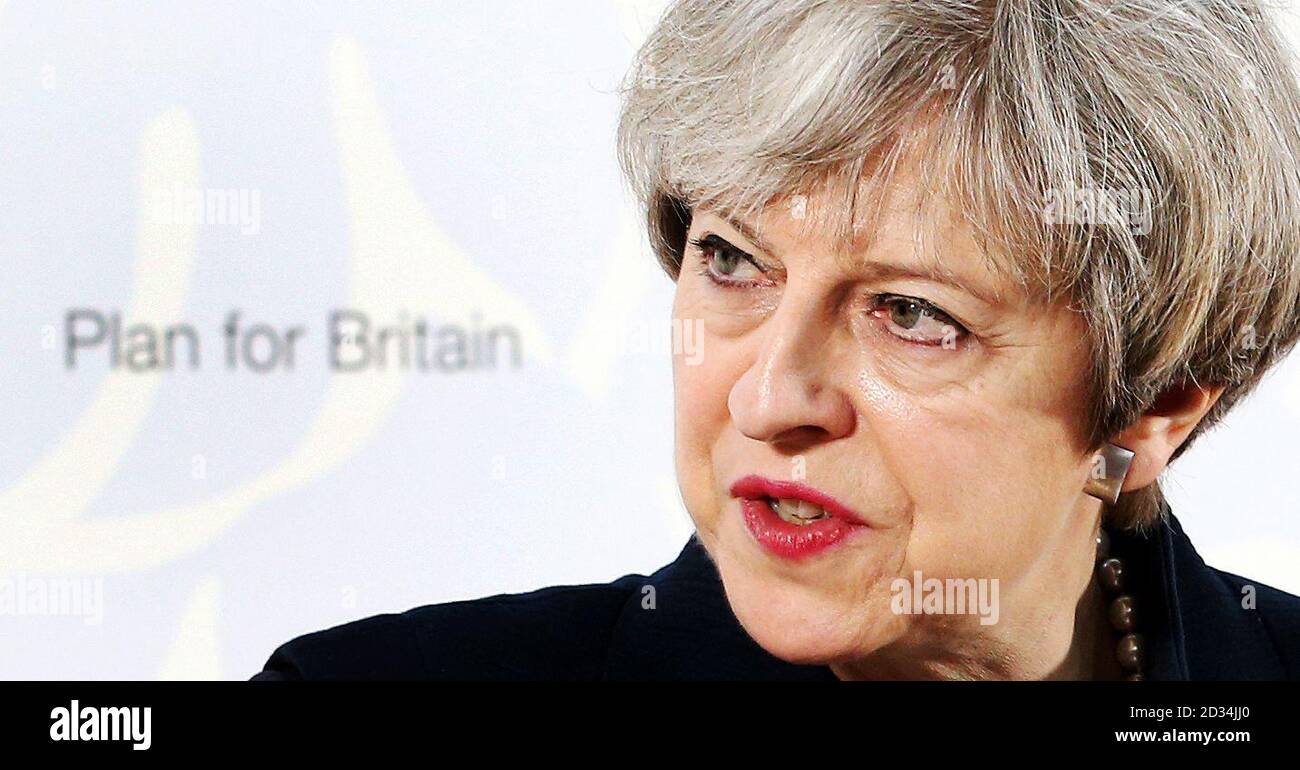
{"points": [[725, 264]]}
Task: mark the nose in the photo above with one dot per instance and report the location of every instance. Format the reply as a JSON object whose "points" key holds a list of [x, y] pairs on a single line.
{"points": [[788, 396]]}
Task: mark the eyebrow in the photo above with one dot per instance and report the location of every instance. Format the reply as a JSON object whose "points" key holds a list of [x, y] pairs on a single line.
{"points": [[885, 270], [889, 270], [749, 232]]}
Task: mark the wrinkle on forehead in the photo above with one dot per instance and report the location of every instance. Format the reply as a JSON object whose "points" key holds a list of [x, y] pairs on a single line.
{"points": [[926, 185], [893, 220]]}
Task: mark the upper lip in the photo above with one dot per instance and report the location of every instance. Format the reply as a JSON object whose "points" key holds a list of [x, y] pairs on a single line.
{"points": [[756, 487]]}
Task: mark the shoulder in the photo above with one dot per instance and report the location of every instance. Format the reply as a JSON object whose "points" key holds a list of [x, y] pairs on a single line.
{"points": [[559, 632], [1275, 613], [1225, 626]]}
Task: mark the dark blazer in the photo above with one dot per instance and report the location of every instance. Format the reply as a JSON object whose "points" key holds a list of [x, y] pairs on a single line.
{"points": [[1192, 616]]}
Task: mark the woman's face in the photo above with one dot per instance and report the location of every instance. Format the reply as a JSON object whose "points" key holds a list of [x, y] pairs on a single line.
{"points": [[937, 408]]}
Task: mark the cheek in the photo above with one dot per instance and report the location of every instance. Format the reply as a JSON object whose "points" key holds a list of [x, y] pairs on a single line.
{"points": [[990, 465], [702, 382]]}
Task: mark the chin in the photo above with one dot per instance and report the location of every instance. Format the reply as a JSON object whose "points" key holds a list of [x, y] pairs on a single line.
{"points": [[804, 614]]}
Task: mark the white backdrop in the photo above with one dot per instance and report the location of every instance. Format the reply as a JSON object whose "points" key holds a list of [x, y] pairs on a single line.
{"points": [[448, 161]]}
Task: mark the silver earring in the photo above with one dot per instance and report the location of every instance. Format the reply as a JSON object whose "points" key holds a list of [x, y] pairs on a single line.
{"points": [[1109, 468]]}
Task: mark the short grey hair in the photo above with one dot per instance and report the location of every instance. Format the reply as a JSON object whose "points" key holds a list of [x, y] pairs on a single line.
{"points": [[1188, 107]]}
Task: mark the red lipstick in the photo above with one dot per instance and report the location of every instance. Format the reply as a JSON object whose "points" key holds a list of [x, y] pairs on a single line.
{"points": [[785, 539]]}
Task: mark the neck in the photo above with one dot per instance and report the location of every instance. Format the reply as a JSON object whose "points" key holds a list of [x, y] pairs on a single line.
{"points": [[1092, 650]]}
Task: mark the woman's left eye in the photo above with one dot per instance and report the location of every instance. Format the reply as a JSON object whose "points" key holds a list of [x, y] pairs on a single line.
{"points": [[918, 321]]}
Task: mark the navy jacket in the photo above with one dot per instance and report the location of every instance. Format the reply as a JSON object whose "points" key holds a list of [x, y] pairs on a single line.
{"points": [[1192, 616]]}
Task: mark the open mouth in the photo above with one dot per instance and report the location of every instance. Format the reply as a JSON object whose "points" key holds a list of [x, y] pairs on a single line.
{"points": [[793, 520], [794, 502], [798, 512]]}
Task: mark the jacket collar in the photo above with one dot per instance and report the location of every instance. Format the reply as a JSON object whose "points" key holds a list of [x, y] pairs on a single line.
{"points": [[1192, 620], [1197, 621]]}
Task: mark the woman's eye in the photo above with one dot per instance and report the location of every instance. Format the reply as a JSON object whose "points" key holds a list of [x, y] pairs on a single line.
{"points": [[917, 321], [725, 264]]}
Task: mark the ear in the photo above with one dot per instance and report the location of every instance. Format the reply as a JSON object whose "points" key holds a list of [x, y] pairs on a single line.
{"points": [[1160, 430]]}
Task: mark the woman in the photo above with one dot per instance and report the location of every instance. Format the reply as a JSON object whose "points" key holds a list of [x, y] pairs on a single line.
{"points": [[968, 277]]}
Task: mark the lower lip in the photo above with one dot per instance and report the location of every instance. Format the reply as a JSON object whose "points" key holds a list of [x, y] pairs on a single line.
{"points": [[792, 541]]}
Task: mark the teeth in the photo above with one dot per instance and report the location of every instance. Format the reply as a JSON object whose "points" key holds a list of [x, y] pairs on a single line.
{"points": [[797, 511]]}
